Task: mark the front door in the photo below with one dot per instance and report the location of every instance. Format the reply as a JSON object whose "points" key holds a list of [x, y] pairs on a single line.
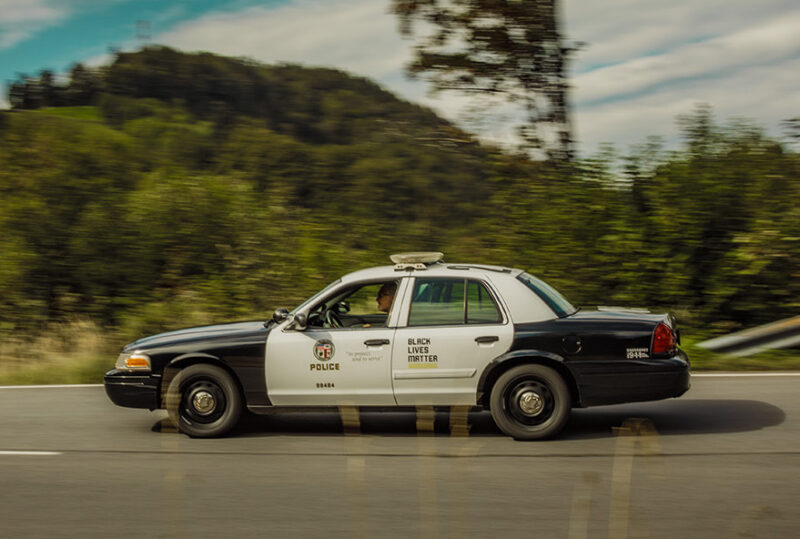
{"points": [[343, 357]]}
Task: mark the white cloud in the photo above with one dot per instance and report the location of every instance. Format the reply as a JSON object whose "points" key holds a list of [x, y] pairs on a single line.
{"points": [[98, 60], [648, 61], [618, 30], [168, 15], [358, 35], [765, 94], [21, 19], [19, 11], [771, 41], [9, 37]]}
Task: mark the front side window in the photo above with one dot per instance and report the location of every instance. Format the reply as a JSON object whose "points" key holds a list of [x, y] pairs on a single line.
{"points": [[440, 302], [364, 305]]}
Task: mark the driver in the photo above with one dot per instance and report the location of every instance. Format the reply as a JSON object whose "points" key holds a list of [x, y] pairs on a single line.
{"points": [[385, 296]]}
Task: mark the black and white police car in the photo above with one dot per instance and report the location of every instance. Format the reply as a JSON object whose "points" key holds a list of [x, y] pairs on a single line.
{"points": [[419, 332]]}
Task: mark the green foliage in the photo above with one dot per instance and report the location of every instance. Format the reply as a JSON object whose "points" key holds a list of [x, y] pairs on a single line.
{"points": [[146, 200], [201, 189], [316, 106]]}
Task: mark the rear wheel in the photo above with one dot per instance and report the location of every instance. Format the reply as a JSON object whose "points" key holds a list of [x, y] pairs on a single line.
{"points": [[530, 402], [203, 401]]}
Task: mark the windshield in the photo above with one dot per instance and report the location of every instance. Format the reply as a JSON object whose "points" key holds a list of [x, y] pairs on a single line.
{"points": [[315, 296], [549, 295]]}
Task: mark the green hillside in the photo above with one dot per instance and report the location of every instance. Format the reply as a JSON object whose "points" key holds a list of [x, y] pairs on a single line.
{"points": [[170, 189]]}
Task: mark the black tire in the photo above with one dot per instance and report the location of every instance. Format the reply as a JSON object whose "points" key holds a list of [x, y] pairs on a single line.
{"points": [[203, 401], [530, 402]]}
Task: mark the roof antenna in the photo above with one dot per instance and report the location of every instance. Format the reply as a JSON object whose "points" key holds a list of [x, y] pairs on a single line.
{"points": [[143, 32]]}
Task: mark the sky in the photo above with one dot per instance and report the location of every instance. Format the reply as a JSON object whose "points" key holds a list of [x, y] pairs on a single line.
{"points": [[641, 64]]}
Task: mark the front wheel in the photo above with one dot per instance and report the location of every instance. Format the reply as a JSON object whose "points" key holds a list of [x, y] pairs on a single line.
{"points": [[203, 401], [530, 402]]}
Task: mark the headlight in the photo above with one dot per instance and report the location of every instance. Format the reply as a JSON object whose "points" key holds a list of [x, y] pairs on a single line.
{"points": [[133, 361]]}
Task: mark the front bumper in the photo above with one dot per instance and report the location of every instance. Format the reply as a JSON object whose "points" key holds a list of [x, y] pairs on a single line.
{"points": [[133, 390]]}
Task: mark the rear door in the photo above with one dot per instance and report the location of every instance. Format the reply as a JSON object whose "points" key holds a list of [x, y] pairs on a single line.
{"points": [[450, 330]]}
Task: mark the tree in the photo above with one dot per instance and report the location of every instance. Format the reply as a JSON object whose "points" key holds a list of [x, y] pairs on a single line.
{"points": [[504, 48], [48, 89], [84, 84], [25, 93], [17, 92]]}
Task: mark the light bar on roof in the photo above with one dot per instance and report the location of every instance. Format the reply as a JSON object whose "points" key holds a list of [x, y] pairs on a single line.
{"points": [[417, 260]]}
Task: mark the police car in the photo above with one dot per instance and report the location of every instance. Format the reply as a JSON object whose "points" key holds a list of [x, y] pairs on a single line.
{"points": [[418, 332]]}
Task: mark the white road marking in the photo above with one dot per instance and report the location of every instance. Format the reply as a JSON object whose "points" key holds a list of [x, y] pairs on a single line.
{"points": [[53, 386], [30, 453], [742, 374]]}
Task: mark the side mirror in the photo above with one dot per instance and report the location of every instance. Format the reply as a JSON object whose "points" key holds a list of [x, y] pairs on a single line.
{"points": [[280, 315], [343, 307]]}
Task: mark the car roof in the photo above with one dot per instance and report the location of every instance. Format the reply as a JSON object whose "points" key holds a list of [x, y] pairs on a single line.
{"points": [[439, 269]]}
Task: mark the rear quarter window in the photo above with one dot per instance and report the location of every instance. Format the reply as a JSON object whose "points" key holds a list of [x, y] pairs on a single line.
{"points": [[548, 294]]}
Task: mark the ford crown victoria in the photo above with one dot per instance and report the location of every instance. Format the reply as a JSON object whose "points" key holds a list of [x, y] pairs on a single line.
{"points": [[418, 332]]}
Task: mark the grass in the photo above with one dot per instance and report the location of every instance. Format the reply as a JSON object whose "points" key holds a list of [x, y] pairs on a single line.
{"points": [[772, 360], [84, 371], [76, 352], [86, 113], [79, 352]]}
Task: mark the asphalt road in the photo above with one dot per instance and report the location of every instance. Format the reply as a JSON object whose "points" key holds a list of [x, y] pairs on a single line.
{"points": [[722, 461]]}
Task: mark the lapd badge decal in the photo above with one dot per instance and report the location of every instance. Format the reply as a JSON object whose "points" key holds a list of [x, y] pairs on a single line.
{"points": [[324, 350]]}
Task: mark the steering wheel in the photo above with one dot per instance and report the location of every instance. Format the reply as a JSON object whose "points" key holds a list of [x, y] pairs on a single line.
{"points": [[332, 319]]}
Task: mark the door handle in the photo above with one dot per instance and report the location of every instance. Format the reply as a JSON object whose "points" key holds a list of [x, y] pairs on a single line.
{"points": [[487, 339], [376, 342]]}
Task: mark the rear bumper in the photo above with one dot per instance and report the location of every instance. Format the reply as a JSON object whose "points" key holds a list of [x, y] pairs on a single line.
{"points": [[646, 380], [133, 391]]}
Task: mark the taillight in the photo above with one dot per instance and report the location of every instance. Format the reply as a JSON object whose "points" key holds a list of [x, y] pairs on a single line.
{"points": [[663, 340]]}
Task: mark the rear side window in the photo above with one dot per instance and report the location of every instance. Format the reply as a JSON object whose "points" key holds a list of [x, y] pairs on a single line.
{"points": [[438, 302]]}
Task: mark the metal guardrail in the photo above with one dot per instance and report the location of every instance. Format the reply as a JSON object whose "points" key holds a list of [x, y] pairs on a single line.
{"points": [[780, 334]]}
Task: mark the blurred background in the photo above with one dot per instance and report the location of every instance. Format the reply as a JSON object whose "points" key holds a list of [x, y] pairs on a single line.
{"points": [[209, 161]]}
